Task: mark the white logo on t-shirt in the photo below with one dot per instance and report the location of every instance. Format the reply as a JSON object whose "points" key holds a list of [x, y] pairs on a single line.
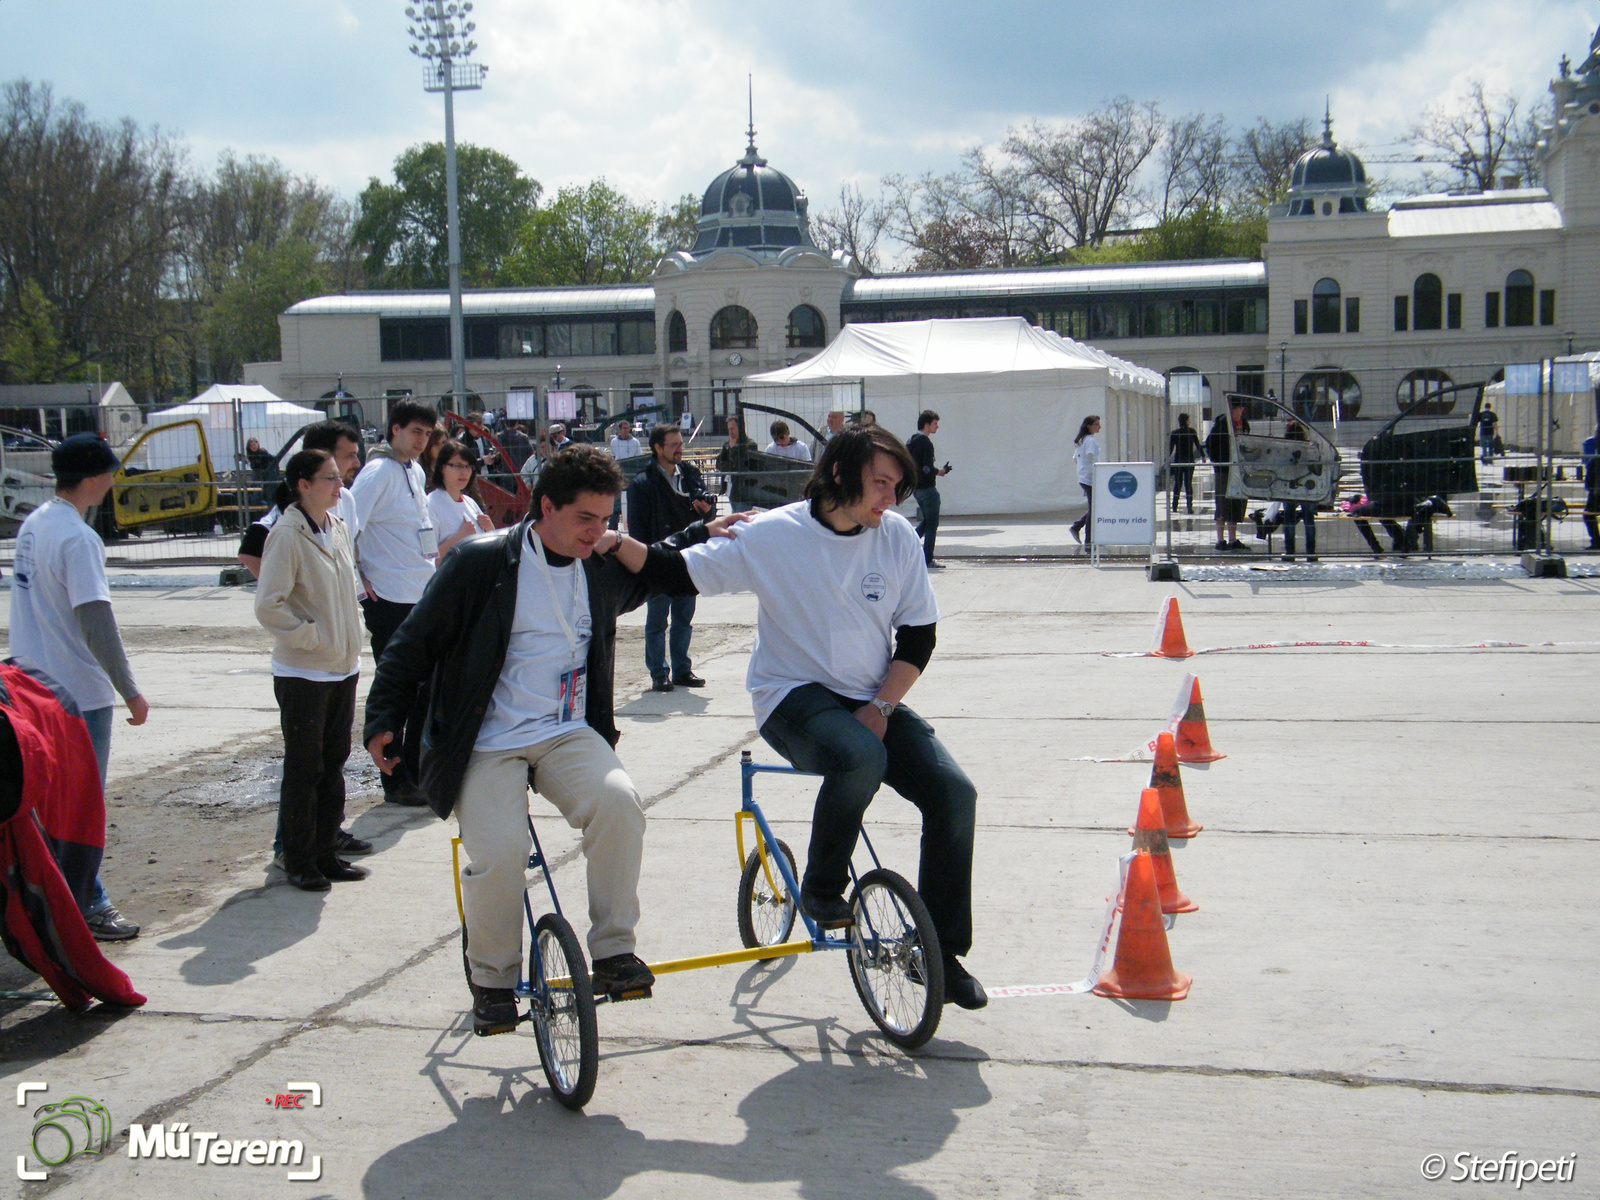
{"points": [[873, 586]]}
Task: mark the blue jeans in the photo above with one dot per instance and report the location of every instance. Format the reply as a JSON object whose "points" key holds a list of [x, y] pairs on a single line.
{"points": [[927, 519], [99, 722], [655, 634], [816, 731]]}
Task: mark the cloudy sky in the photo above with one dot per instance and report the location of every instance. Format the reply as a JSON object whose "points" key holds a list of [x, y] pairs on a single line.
{"points": [[652, 94]]}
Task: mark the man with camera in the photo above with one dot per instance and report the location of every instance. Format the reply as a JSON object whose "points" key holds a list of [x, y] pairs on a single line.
{"points": [[926, 493]]}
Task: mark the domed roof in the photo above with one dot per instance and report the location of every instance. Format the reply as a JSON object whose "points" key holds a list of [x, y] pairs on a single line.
{"points": [[754, 207], [1328, 174]]}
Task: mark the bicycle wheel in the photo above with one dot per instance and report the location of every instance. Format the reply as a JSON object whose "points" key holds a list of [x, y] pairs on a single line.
{"points": [[895, 961], [765, 917], [561, 1006]]}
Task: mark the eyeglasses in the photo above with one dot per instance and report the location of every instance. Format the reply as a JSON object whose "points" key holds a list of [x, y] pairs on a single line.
{"points": [[328, 479]]}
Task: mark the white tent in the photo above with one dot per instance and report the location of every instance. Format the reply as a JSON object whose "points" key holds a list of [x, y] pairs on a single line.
{"points": [[232, 414], [1010, 397], [1574, 413]]}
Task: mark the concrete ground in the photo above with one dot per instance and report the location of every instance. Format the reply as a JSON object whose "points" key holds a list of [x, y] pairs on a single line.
{"points": [[1395, 953]]}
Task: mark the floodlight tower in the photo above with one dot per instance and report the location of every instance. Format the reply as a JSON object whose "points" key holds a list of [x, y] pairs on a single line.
{"points": [[441, 37]]}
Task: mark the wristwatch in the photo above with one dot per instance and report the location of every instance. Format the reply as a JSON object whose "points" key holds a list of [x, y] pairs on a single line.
{"points": [[883, 706]]}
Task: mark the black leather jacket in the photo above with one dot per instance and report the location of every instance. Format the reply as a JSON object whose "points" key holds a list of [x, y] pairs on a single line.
{"points": [[456, 636]]}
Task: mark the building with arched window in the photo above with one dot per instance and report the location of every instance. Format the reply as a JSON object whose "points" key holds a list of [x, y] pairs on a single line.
{"points": [[1353, 309]]}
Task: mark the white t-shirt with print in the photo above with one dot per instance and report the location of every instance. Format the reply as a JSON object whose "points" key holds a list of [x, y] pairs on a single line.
{"points": [[795, 450], [60, 564], [829, 602], [527, 704], [395, 537], [448, 514]]}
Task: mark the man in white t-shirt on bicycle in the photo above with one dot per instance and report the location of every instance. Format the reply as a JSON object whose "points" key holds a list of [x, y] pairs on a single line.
{"points": [[845, 627]]}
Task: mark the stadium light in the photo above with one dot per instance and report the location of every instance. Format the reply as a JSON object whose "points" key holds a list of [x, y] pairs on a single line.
{"points": [[441, 36]]}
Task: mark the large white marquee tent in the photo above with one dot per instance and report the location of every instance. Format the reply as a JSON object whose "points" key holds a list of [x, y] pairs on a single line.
{"points": [[1010, 397], [231, 415]]}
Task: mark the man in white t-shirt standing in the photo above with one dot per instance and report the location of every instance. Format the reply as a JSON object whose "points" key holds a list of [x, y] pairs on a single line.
{"points": [[845, 627], [62, 624], [624, 445], [397, 547]]}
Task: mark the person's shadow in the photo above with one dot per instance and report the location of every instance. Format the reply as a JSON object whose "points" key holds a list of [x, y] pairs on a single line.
{"points": [[251, 925], [838, 1124]]}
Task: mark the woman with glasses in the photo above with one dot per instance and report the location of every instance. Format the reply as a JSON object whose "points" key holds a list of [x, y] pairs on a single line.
{"points": [[306, 599], [452, 502]]}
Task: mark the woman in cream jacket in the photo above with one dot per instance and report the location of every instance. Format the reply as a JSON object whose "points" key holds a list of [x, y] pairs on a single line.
{"points": [[306, 598]]}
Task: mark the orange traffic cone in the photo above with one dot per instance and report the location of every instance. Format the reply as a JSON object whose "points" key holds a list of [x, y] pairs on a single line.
{"points": [[1194, 743], [1169, 641], [1165, 779], [1143, 967], [1150, 834]]}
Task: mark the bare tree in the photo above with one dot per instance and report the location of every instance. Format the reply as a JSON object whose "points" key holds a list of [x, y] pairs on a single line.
{"points": [[855, 227], [1197, 165], [1472, 133], [1267, 154], [1522, 148], [1081, 175]]}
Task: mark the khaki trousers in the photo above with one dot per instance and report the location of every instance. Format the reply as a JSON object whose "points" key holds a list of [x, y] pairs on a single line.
{"points": [[581, 775]]}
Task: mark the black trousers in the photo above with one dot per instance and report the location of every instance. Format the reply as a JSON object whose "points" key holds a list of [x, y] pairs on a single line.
{"points": [[816, 730], [383, 617], [316, 719]]}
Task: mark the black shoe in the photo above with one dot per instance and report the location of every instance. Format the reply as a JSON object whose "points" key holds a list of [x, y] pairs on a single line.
{"points": [[960, 988], [661, 685], [348, 845], [830, 912], [309, 880], [1236, 544], [689, 680], [622, 976], [339, 871], [1221, 545], [494, 1010], [405, 797], [936, 566], [1312, 558], [1287, 558]]}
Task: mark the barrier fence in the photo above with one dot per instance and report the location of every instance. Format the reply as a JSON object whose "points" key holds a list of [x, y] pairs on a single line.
{"points": [[1529, 496]]}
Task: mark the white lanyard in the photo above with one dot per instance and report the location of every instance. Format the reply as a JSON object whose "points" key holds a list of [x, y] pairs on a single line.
{"points": [[550, 582]]}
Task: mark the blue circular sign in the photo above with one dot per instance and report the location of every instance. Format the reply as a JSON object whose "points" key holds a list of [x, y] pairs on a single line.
{"points": [[1122, 484]]}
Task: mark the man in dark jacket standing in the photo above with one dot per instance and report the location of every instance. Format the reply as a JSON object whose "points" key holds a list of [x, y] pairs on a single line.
{"points": [[663, 499], [517, 633]]}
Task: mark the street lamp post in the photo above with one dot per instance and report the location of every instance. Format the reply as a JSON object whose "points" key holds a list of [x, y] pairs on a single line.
{"points": [[1283, 374], [441, 37]]}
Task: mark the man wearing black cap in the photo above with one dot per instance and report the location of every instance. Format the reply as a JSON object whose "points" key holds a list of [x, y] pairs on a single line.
{"points": [[61, 620]]}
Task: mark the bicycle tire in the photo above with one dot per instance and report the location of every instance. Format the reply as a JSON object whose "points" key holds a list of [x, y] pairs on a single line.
{"points": [[764, 919], [895, 960], [563, 1012]]}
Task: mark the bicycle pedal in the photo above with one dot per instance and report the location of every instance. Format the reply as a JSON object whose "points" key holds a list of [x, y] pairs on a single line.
{"points": [[492, 1030], [631, 994]]}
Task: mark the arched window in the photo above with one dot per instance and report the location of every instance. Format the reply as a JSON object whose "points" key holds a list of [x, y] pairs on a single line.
{"points": [[677, 334], [1325, 306], [1519, 298], [1419, 393], [807, 329], [733, 328], [1427, 302], [1319, 393]]}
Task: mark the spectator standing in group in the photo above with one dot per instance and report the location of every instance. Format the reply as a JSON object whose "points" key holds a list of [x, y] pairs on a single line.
{"points": [[785, 446], [1591, 482], [307, 601], [430, 449], [558, 437], [664, 499], [1299, 510], [62, 623], [831, 429], [398, 548], [262, 466], [735, 462], [1219, 449], [623, 444], [926, 493], [452, 497], [534, 463], [1183, 451], [1488, 422], [1086, 452], [517, 445]]}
